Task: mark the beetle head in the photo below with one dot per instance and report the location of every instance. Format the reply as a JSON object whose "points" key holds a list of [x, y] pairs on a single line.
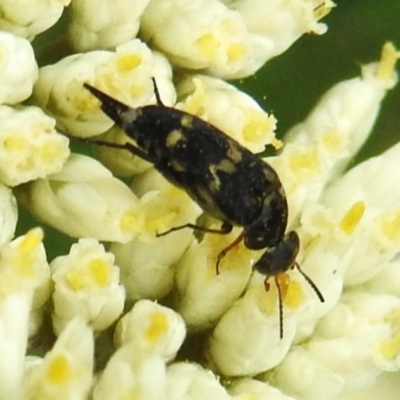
{"points": [[279, 258]]}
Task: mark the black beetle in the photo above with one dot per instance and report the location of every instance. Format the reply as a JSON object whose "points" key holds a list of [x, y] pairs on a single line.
{"points": [[227, 180]]}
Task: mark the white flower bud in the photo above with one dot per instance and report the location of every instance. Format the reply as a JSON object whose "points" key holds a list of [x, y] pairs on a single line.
{"points": [[318, 149], [29, 18], [282, 22], [201, 34], [203, 295], [23, 264], [251, 389], [151, 328], [189, 381], [86, 286], [83, 200], [250, 329], [105, 23], [369, 185], [212, 99], [65, 372], [353, 344], [30, 146], [132, 375], [147, 262], [148, 266], [252, 326], [18, 67], [124, 74], [23, 271], [8, 215]]}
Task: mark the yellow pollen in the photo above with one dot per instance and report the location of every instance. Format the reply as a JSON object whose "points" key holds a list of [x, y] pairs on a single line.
{"points": [[100, 272], [49, 151], [352, 218], [129, 221], [194, 102], [207, 45], [76, 281], [160, 224], [25, 256], [390, 225], [257, 126], [236, 51], [387, 63], [390, 348], [333, 141], [31, 240], [305, 160], [158, 326], [292, 294], [128, 62], [59, 370], [15, 143], [136, 90], [86, 102]]}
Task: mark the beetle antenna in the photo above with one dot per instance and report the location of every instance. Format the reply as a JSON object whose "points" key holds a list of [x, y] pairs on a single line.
{"points": [[280, 302], [310, 282], [278, 286], [157, 93]]}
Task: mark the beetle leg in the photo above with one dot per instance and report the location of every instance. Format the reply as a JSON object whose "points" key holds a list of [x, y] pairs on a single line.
{"points": [[122, 146], [224, 230], [225, 251]]}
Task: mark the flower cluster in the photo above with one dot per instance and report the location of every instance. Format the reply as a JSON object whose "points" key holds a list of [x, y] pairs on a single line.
{"points": [[147, 317]]}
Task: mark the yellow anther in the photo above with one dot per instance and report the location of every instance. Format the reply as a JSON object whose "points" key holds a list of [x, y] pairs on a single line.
{"points": [[129, 221], [387, 63], [352, 218], [207, 45], [100, 272], [59, 370], [31, 240], [390, 348], [15, 143], [128, 62], [292, 292], [257, 126], [333, 141], [305, 160], [390, 224], [76, 281], [49, 151], [158, 326], [236, 51], [195, 102]]}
